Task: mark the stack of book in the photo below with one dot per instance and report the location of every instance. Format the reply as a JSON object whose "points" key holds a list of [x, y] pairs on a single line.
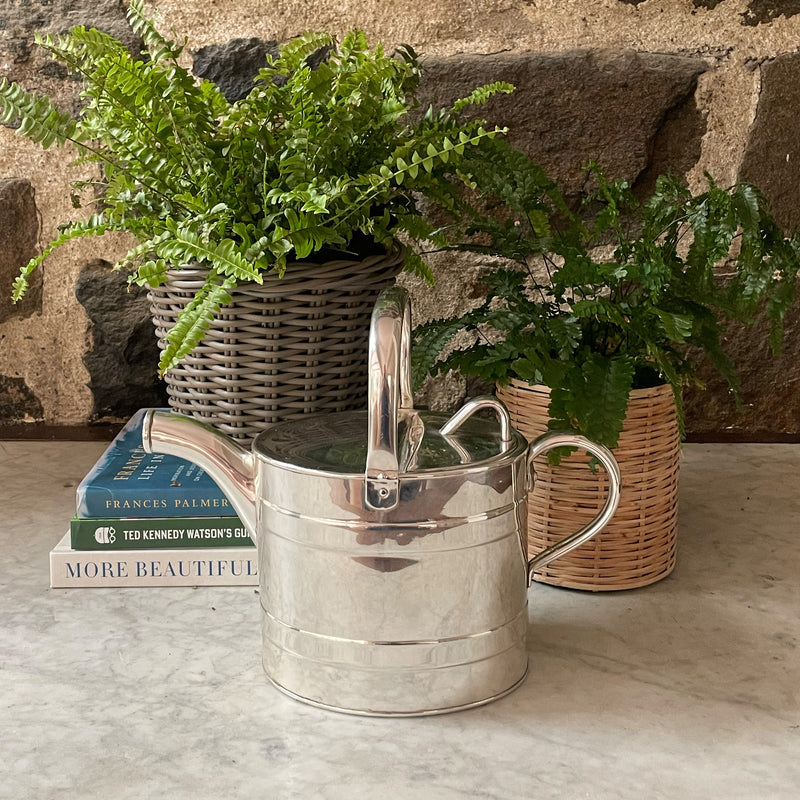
{"points": [[148, 519]]}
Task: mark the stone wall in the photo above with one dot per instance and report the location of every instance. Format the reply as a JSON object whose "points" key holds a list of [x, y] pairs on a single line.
{"points": [[641, 86]]}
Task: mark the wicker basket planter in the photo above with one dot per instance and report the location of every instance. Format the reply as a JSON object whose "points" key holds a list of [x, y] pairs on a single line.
{"points": [[638, 546], [287, 347]]}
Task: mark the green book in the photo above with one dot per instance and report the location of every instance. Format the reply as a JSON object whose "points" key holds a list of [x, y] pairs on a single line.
{"points": [[140, 533]]}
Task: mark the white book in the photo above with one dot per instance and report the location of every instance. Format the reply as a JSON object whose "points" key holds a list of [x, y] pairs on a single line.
{"points": [[201, 566]]}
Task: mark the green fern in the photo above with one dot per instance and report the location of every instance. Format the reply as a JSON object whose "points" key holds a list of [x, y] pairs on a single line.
{"points": [[188, 247], [322, 153], [482, 95], [191, 327], [150, 273], [158, 46], [415, 265], [40, 120], [96, 225], [296, 52], [595, 329], [429, 342]]}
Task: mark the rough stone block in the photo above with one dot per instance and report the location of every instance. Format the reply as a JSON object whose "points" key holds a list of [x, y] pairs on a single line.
{"points": [[234, 65], [569, 108], [770, 396], [23, 17], [122, 359], [17, 402], [760, 12], [19, 231], [772, 162], [772, 156]]}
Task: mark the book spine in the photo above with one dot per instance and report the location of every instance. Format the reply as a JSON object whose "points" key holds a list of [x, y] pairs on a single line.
{"points": [[111, 533], [199, 567], [97, 502]]}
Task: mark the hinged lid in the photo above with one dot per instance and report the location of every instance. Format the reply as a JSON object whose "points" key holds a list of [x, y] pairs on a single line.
{"points": [[391, 439], [337, 443]]}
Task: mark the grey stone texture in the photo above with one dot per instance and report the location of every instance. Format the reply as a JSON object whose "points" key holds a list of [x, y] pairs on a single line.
{"points": [[641, 86], [761, 12], [32, 66], [19, 232], [17, 402], [771, 160], [123, 356], [234, 65], [570, 108], [769, 386], [772, 157], [19, 18]]}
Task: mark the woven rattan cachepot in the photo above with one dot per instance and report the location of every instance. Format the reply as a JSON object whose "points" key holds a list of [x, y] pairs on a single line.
{"points": [[638, 546], [290, 346]]}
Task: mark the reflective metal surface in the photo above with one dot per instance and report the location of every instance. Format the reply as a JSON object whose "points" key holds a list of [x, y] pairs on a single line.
{"points": [[417, 609], [392, 543], [227, 462], [389, 395], [606, 458], [479, 404]]}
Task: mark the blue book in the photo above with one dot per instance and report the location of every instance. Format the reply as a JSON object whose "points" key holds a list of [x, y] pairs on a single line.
{"points": [[128, 482]]}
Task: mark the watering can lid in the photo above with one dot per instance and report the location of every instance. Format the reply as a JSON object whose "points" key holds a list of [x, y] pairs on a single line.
{"points": [[391, 438], [337, 443]]}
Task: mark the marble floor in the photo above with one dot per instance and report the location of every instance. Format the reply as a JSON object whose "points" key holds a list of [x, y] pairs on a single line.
{"points": [[686, 689]]}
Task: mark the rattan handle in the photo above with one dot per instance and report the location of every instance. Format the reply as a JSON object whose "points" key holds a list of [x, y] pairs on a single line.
{"points": [[389, 394], [549, 441]]}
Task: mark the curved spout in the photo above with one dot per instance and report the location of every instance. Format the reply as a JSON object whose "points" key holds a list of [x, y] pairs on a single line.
{"points": [[227, 462]]}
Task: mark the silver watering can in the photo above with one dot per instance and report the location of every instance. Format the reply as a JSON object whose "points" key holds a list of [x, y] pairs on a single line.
{"points": [[392, 542]]}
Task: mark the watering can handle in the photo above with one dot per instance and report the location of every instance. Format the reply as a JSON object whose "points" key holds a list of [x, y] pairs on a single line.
{"points": [[389, 394], [549, 441], [479, 404]]}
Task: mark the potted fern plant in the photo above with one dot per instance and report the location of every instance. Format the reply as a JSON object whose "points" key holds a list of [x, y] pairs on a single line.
{"points": [[597, 326], [266, 227]]}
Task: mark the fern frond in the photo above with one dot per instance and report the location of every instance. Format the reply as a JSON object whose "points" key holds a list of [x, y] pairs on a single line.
{"points": [[352, 84], [415, 265], [129, 261], [420, 229], [405, 162], [150, 273], [429, 341], [354, 44], [779, 303], [295, 52], [39, 119], [80, 49], [186, 247], [593, 397], [194, 320], [142, 25], [83, 44], [96, 225], [482, 95]]}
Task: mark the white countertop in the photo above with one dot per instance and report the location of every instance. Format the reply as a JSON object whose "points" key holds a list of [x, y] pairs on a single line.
{"points": [[689, 688]]}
